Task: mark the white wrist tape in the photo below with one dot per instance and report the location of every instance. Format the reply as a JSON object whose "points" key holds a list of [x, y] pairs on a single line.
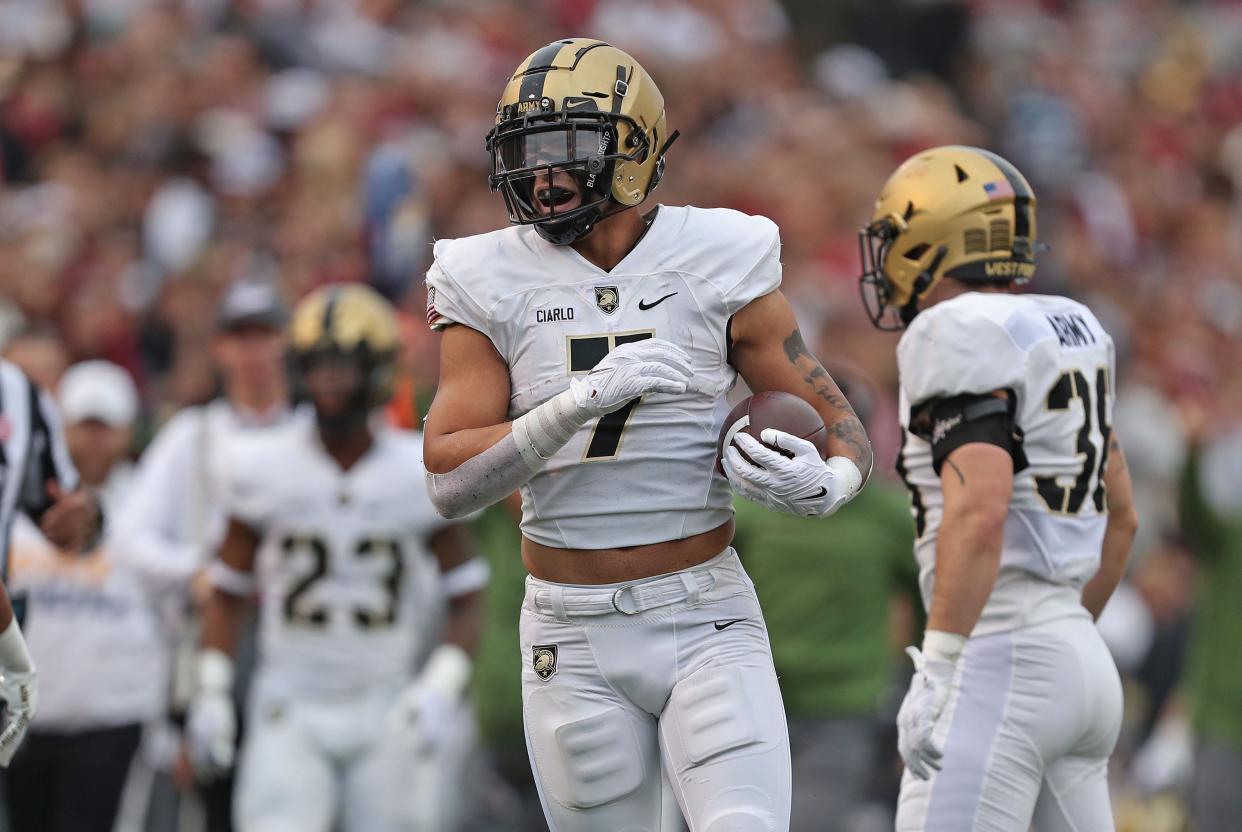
{"points": [[215, 671], [548, 428], [227, 579], [13, 653], [497, 472], [844, 469], [447, 671], [470, 576], [946, 647]]}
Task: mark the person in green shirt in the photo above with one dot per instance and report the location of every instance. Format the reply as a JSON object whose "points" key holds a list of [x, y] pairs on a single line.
{"points": [[512, 805], [826, 587], [1211, 516]]}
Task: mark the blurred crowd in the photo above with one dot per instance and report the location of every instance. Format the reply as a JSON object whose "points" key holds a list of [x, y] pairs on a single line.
{"points": [[154, 153]]}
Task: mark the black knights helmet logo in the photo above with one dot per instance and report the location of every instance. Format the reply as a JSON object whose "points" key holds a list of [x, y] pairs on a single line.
{"points": [[607, 299], [543, 660]]}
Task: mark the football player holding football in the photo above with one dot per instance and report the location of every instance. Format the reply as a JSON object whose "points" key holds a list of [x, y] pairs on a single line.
{"points": [[369, 603], [1021, 502], [586, 353]]}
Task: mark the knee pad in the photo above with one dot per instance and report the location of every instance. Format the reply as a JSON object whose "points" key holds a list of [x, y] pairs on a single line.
{"points": [[584, 761], [740, 821], [741, 809], [715, 711]]}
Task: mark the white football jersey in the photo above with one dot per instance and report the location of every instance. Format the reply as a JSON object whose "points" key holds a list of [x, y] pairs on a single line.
{"points": [[646, 473], [345, 576], [1058, 362]]}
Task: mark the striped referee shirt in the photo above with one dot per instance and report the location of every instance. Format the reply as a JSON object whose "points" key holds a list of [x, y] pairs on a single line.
{"points": [[32, 452]]}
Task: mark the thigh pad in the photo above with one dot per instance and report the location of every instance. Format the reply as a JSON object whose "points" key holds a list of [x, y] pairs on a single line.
{"points": [[585, 759]]}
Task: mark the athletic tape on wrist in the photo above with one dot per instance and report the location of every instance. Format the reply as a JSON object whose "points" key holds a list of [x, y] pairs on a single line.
{"points": [[447, 670], [847, 471], [943, 646], [227, 579], [468, 577], [548, 428], [215, 671], [14, 655]]}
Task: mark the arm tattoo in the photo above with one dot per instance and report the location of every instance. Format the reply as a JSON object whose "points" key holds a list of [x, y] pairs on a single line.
{"points": [[956, 470], [846, 428]]}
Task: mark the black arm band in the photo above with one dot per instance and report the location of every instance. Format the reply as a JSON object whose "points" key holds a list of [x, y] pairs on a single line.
{"points": [[948, 424]]}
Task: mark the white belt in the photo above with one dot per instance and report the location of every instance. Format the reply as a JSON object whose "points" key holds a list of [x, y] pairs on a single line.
{"points": [[629, 599]]}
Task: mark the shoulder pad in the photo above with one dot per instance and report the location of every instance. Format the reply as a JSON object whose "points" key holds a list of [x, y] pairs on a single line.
{"points": [[960, 347], [739, 253]]}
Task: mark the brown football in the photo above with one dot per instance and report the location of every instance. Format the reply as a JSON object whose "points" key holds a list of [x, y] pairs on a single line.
{"points": [[783, 411]]}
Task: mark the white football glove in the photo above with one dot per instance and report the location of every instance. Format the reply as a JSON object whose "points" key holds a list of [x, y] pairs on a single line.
{"points": [[423, 713], [18, 688], [422, 716], [652, 365], [20, 692], [211, 723], [804, 485], [924, 702]]}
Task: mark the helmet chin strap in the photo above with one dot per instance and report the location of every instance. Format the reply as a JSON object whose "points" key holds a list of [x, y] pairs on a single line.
{"points": [[908, 312], [567, 231], [576, 228]]}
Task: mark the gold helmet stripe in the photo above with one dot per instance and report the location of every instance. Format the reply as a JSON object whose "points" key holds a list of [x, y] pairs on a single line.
{"points": [[578, 55], [621, 87], [329, 312], [535, 73]]}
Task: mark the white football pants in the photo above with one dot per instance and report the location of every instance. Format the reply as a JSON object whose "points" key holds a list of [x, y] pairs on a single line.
{"points": [[315, 766], [1027, 732], [625, 684]]}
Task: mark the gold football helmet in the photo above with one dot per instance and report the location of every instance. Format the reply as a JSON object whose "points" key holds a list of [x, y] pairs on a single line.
{"points": [[953, 211], [349, 320], [579, 121]]}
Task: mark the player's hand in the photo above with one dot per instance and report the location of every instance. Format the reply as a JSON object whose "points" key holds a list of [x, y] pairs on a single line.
{"points": [[423, 713], [211, 733], [20, 692], [652, 365], [804, 484], [422, 716], [72, 520], [924, 702], [211, 724]]}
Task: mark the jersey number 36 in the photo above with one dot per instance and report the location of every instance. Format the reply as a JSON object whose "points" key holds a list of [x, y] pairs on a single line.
{"points": [[1092, 443]]}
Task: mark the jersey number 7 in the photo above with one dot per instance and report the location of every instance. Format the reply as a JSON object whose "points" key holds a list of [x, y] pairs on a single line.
{"points": [[585, 351]]}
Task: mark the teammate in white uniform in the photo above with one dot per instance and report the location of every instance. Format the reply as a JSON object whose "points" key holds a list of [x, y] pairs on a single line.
{"points": [[1021, 501], [353, 714], [610, 339]]}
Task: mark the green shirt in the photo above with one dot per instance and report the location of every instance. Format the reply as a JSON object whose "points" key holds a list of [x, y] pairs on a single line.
{"points": [[498, 668], [825, 587], [1213, 679]]}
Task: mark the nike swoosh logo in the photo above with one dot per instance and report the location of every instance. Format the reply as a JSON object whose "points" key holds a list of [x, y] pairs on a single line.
{"points": [[720, 625], [822, 491], [578, 102], [644, 306]]}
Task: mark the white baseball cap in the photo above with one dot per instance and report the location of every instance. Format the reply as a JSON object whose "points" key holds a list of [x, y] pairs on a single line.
{"points": [[98, 390]]}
